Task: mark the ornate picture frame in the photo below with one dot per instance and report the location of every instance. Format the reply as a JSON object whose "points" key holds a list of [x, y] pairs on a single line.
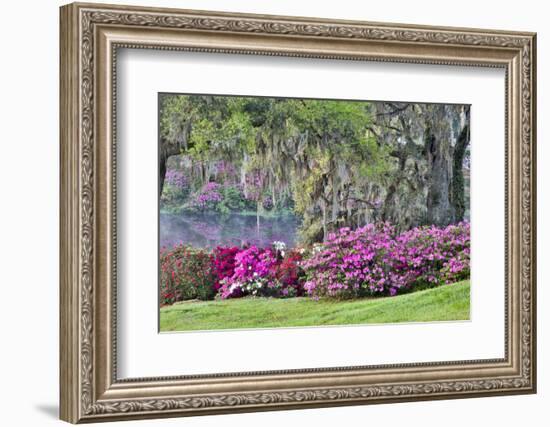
{"points": [[90, 37]]}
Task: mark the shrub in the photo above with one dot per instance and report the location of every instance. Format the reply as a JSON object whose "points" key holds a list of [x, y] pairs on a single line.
{"points": [[233, 198], [186, 273], [177, 178], [427, 256], [349, 263], [267, 203], [224, 263], [175, 189], [290, 275], [264, 272], [252, 266], [208, 197], [373, 260]]}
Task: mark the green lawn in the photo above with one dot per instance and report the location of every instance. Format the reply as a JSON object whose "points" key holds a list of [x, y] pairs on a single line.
{"points": [[448, 302]]}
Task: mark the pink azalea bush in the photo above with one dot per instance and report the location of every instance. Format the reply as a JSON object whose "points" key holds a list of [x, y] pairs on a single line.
{"points": [[209, 196], [375, 260], [176, 188], [177, 178], [263, 272]]}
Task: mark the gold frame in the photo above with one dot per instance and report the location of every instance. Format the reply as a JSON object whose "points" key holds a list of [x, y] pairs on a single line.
{"points": [[90, 36]]}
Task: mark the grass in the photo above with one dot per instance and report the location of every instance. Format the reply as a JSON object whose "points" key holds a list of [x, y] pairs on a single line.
{"points": [[448, 302]]}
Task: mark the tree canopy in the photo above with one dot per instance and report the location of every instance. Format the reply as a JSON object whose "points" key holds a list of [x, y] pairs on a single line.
{"points": [[334, 163]]}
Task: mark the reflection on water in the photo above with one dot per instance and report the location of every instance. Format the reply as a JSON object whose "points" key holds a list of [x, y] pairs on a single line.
{"points": [[211, 230]]}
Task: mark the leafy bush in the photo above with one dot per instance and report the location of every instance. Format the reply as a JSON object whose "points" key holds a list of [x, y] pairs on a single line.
{"points": [[171, 197], [186, 273], [234, 200]]}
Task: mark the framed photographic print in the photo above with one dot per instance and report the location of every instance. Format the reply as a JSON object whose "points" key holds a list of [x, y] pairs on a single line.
{"points": [[266, 212]]}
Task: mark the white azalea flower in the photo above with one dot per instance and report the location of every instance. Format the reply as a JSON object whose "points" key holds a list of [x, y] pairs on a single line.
{"points": [[278, 245]]}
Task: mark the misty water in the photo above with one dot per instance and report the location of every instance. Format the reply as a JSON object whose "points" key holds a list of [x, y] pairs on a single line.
{"points": [[208, 230]]}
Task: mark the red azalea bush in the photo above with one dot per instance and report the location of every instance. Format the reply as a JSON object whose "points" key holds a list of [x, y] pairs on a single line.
{"points": [[224, 263], [290, 274], [186, 273]]}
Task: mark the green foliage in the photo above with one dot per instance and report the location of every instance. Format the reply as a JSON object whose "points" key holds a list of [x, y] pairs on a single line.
{"points": [[305, 190], [346, 119], [233, 200], [173, 197]]}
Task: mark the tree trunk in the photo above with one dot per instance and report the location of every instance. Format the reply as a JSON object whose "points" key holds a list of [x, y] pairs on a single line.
{"points": [[439, 209], [391, 208], [457, 184], [335, 206], [272, 190], [243, 177], [324, 210], [258, 204], [171, 148], [162, 173]]}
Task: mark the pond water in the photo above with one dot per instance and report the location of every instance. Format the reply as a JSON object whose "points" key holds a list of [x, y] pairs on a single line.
{"points": [[209, 230]]}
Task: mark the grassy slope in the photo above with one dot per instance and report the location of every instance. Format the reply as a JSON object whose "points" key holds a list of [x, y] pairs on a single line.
{"points": [[449, 302]]}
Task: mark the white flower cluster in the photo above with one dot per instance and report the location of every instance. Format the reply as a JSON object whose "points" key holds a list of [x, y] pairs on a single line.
{"points": [[317, 247], [253, 286], [279, 247]]}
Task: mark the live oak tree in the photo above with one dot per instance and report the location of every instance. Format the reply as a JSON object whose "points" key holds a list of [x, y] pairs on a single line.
{"points": [[335, 163], [429, 146]]}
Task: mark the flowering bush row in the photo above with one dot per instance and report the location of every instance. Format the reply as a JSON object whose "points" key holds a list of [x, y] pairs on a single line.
{"points": [[229, 272], [371, 260]]}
